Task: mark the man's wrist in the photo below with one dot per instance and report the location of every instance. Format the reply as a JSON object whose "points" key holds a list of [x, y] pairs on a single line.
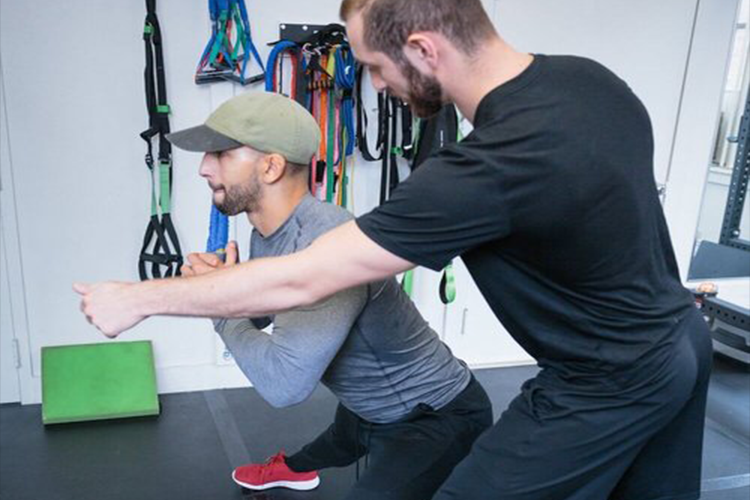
{"points": [[147, 297]]}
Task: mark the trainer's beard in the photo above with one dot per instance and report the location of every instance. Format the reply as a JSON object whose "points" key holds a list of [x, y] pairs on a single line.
{"points": [[425, 96]]}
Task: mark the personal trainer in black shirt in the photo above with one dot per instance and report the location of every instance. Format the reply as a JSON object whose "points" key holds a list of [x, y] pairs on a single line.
{"points": [[552, 205]]}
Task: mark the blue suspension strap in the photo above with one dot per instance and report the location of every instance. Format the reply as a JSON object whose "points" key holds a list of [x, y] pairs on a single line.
{"points": [[160, 231], [215, 60], [246, 40], [221, 58], [215, 30]]}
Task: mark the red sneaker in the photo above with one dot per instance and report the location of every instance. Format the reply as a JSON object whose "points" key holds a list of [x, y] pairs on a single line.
{"points": [[274, 474]]}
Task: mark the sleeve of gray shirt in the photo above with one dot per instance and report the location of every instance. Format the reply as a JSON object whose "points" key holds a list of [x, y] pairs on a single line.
{"points": [[286, 366]]}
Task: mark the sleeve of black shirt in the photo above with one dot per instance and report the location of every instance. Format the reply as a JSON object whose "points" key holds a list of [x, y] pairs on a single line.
{"points": [[454, 202]]}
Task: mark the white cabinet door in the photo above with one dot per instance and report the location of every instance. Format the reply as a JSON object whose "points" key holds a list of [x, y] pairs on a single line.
{"points": [[473, 332], [10, 391]]}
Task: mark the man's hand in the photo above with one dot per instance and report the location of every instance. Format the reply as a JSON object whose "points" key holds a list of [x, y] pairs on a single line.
{"points": [[202, 263], [109, 306]]}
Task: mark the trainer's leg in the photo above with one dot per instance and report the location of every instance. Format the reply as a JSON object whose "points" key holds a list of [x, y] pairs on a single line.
{"points": [[409, 460], [337, 446], [669, 466], [569, 443]]}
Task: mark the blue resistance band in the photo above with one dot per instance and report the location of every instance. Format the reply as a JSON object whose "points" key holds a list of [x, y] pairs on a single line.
{"points": [[277, 50], [218, 232], [345, 78]]}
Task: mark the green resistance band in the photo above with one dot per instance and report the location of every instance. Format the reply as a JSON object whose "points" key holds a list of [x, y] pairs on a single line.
{"points": [[220, 38]]}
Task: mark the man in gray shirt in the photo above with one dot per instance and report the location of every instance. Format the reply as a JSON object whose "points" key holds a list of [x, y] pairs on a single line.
{"points": [[404, 399]]}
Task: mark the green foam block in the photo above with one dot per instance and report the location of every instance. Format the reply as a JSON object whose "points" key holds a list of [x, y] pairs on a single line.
{"points": [[98, 381]]}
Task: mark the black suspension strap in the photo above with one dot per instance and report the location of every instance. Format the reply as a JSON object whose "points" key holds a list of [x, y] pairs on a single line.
{"points": [[385, 154], [395, 121], [393, 151], [434, 133], [407, 132], [160, 235], [362, 121]]}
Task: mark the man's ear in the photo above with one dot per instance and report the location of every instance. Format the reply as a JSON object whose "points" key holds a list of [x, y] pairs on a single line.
{"points": [[274, 168], [422, 51]]}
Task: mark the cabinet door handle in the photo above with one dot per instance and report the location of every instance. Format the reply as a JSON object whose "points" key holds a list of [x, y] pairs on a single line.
{"points": [[463, 320], [17, 353]]}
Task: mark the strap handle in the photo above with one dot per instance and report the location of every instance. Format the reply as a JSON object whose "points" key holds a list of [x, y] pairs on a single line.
{"points": [[448, 285]]}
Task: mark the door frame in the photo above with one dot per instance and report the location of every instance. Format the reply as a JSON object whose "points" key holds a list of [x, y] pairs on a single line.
{"points": [[30, 388]]}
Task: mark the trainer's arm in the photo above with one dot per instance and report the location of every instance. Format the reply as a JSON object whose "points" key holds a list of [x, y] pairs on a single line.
{"points": [[338, 260]]}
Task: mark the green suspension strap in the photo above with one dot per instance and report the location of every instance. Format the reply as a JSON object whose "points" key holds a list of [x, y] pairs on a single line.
{"points": [[448, 285], [407, 282], [160, 248]]}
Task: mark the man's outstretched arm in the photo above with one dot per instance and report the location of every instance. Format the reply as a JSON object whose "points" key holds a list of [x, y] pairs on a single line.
{"points": [[340, 259]]}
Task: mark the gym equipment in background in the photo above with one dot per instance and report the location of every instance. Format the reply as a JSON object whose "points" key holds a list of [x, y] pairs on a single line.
{"points": [[314, 65], [227, 53], [98, 381], [736, 200], [160, 235], [730, 327], [730, 256]]}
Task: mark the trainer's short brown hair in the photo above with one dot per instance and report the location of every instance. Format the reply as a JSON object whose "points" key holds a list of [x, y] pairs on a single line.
{"points": [[388, 23]]}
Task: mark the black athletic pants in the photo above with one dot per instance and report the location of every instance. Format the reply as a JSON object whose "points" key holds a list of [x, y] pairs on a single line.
{"points": [[406, 460], [637, 441]]}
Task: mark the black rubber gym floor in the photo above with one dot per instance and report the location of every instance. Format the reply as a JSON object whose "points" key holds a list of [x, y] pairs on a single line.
{"points": [[188, 452]]}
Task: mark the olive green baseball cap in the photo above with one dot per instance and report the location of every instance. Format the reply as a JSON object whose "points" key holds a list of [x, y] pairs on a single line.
{"points": [[264, 121]]}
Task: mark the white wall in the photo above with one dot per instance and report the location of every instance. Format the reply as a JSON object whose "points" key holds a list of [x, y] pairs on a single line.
{"points": [[73, 78], [644, 42], [697, 123], [10, 389]]}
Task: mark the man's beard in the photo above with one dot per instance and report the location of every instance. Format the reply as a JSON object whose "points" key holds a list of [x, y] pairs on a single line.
{"points": [[241, 198], [425, 95]]}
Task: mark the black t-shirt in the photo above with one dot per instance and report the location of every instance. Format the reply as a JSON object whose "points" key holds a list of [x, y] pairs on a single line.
{"points": [[551, 203]]}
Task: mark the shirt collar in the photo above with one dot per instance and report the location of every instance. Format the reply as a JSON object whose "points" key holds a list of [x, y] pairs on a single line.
{"points": [[487, 108]]}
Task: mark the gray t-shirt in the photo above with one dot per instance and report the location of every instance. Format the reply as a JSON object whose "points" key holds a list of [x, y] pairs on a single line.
{"points": [[369, 345]]}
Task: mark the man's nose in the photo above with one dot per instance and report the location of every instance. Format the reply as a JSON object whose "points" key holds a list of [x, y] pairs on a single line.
{"points": [[208, 165]]}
